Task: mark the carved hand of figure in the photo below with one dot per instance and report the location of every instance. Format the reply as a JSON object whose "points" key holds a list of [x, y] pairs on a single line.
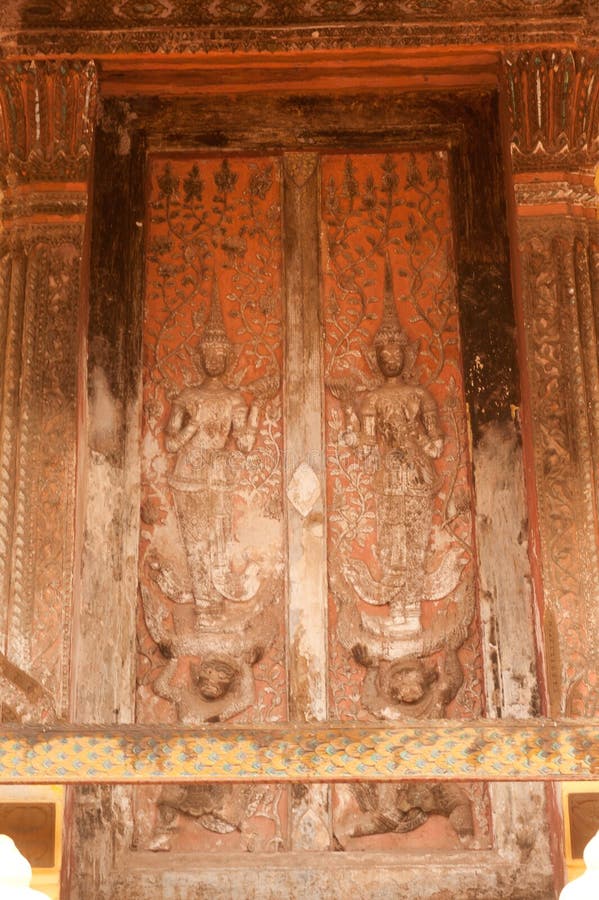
{"points": [[178, 430], [451, 677], [166, 648], [164, 686], [350, 437], [245, 426], [369, 455], [361, 655]]}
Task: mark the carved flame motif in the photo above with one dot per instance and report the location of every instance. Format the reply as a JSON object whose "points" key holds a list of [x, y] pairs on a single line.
{"points": [[211, 553]]}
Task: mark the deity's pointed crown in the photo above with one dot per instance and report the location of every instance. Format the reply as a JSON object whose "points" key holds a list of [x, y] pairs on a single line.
{"points": [[389, 330], [214, 330]]}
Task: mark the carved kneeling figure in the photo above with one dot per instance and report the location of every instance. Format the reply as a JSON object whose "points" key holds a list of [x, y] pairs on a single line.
{"points": [[367, 809], [220, 808]]}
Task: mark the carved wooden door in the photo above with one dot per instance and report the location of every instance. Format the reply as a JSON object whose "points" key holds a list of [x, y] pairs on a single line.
{"points": [[331, 496]]}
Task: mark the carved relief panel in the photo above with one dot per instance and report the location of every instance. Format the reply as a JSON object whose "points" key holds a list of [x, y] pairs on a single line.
{"points": [[211, 560], [320, 470], [403, 637]]}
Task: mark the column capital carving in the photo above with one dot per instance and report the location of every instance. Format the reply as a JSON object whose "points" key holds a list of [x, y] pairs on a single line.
{"points": [[553, 105], [47, 115]]}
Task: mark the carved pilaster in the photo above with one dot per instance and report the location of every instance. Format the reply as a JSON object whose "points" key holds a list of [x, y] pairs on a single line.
{"points": [[553, 104], [46, 116]]}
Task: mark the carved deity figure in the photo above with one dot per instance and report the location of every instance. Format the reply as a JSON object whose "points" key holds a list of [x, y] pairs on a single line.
{"points": [[205, 418], [399, 438]]}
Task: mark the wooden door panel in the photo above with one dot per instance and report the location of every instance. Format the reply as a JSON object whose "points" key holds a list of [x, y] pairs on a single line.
{"points": [[376, 207], [211, 624]]}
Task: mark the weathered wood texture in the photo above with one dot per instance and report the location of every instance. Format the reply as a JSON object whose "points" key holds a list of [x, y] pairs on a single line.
{"points": [[105, 638], [492, 385], [305, 483], [111, 466]]}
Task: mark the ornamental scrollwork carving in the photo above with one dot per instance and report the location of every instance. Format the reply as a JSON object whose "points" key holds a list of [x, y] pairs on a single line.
{"points": [[47, 121], [400, 554], [553, 104], [191, 27], [557, 268], [38, 482], [189, 14]]}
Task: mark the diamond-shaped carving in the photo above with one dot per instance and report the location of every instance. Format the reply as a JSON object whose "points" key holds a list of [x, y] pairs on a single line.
{"points": [[304, 489]]}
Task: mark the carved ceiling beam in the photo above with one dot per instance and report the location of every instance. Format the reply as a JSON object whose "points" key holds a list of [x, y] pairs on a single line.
{"points": [[46, 116]]}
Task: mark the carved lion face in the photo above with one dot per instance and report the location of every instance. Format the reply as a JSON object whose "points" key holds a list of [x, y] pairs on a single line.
{"points": [[407, 684], [214, 677]]}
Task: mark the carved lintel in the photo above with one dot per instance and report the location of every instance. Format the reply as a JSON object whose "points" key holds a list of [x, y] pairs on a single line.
{"points": [[553, 106], [59, 27], [484, 750]]}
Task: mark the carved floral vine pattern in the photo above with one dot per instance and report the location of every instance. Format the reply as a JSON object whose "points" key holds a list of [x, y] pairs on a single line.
{"points": [[39, 483], [564, 490], [213, 267], [47, 111]]}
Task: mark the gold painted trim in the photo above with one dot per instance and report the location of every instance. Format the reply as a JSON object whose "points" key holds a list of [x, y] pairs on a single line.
{"points": [[46, 879], [471, 751], [574, 865]]}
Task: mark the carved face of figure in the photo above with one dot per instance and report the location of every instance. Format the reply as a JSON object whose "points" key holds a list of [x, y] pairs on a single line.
{"points": [[390, 357], [213, 359], [407, 685], [214, 678]]}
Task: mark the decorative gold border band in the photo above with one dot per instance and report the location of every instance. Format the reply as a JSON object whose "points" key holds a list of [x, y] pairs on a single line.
{"points": [[481, 751]]}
